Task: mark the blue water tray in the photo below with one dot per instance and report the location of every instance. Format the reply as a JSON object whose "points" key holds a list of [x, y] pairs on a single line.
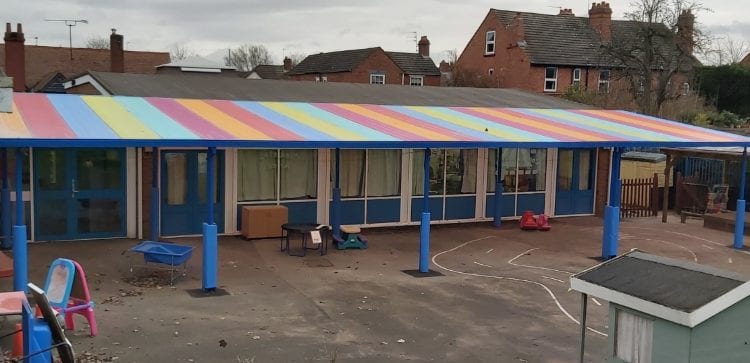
{"points": [[164, 253]]}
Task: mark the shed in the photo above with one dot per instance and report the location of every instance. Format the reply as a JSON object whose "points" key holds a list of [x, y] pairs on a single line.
{"points": [[667, 310]]}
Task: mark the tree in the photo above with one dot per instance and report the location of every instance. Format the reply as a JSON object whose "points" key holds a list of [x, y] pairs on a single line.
{"points": [[97, 43], [247, 56], [180, 51], [296, 58], [726, 50], [657, 50]]}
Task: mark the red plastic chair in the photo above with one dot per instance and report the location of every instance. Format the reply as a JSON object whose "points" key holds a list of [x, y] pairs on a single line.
{"points": [[68, 293], [80, 302]]}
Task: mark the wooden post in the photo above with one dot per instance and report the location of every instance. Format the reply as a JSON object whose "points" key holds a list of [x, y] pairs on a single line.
{"points": [[665, 207], [655, 196]]}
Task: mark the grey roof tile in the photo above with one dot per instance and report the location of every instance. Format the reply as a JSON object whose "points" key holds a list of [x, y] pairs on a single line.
{"points": [[414, 63]]}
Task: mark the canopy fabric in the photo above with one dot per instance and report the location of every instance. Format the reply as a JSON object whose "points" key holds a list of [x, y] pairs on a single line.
{"points": [[74, 120]]}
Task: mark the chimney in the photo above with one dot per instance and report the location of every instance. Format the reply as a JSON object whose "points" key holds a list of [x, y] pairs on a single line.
{"points": [[15, 57], [600, 18], [445, 66], [566, 12], [287, 64], [424, 46], [116, 53], [685, 30]]}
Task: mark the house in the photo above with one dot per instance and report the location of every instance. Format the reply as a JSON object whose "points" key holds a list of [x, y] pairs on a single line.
{"points": [[196, 64], [370, 65], [43, 68], [746, 61], [271, 71], [667, 310], [550, 53]]}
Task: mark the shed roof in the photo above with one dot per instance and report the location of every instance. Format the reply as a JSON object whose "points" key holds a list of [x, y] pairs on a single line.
{"points": [[75, 120], [682, 292]]}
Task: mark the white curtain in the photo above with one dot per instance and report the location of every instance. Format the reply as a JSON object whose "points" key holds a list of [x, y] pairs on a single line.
{"points": [[352, 173], [635, 337], [417, 180], [469, 167], [176, 178], [383, 173], [299, 174], [256, 174], [584, 170]]}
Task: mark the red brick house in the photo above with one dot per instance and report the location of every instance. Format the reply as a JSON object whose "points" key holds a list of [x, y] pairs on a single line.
{"points": [[746, 60], [370, 65], [44, 69], [547, 53]]}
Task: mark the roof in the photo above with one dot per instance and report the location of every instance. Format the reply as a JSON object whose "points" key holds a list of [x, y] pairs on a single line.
{"points": [[332, 62], [269, 71], [195, 61], [229, 88], [414, 63], [746, 60], [565, 39], [56, 120], [41, 60], [683, 292]]}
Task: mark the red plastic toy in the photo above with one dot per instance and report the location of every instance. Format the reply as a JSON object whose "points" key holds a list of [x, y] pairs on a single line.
{"points": [[542, 223], [528, 221]]}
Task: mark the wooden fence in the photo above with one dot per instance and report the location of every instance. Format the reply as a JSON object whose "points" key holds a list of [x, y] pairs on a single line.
{"points": [[639, 197]]}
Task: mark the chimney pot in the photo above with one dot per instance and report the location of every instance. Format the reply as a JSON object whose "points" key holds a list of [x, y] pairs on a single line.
{"points": [[424, 46], [116, 53]]}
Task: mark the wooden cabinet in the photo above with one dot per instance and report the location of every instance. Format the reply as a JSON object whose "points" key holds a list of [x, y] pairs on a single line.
{"points": [[263, 221]]}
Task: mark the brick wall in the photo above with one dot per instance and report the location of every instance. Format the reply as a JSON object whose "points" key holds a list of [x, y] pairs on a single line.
{"points": [[146, 200], [377, 62]]}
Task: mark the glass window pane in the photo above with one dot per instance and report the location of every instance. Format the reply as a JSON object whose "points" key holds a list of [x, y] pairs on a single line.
{"points": [[352, 173], [203, 177], [461, 172], [532, 170], [99, 215], [509, 169], [436, 172], [256, 175], [491, 173], [176, 178], [565, 170], [52, 172], [99, 169], [383, 173], [584, 170], [299, 174]]}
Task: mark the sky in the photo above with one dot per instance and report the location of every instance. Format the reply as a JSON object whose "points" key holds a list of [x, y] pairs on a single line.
{"points": [[210, 27]]}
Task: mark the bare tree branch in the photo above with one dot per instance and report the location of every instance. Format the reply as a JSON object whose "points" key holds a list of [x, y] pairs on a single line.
{"points": [[97, 43], [180, 51], [247, 56]]}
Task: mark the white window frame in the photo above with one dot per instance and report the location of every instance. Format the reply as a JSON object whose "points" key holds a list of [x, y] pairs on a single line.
{"points": [[577, 77], [419, 81], [685, 89], [375, 76], [488, 42], [548, 79], [605, 82]]}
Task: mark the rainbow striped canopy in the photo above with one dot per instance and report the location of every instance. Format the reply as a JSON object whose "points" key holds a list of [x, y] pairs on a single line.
{"points": [[75, 120]]}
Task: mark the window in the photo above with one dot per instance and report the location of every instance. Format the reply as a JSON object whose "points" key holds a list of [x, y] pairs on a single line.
{"points": [[489, 43], [381, 167], [576, 77], [550, 79], [686, 89], [377, 79], [523, 170], [604, 81], [273, 175], [452, 172], [416, 80], [635, 337], [321, 79]]}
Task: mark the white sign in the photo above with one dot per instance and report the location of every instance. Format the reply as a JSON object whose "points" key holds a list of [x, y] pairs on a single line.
{"points": [[316, 239]]}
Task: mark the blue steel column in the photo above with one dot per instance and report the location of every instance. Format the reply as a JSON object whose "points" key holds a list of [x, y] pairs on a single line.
{"points": [[155, 195], [20, 253], [739, 223], [612, 211], [210, 238], [498, 212], [5, 194], [424, 229], [336, 207]]}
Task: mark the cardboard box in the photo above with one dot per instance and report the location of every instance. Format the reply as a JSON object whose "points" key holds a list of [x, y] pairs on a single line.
{"points": [[263, 221]]}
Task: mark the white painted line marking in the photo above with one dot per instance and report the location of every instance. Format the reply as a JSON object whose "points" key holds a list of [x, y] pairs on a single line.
{"points": [[481, 264], [543, 286], [709, 247], [695, 257], [596, 301], [536, 267], [490, 250], [553, 279]]}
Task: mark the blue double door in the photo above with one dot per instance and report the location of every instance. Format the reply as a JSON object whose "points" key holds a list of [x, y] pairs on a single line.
{"points": [[79, 193], [184, 191], [574, 193]]}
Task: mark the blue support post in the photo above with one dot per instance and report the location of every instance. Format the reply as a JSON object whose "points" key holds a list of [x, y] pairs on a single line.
{"points": [[155, 195], [5, 194], [498, 211], [739, 223], [20, 252], [336, 207], [611, 233], [424, 229], [210, 235]]}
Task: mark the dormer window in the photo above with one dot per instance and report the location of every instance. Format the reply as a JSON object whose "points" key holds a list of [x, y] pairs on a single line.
{"points": [[489, 43]]}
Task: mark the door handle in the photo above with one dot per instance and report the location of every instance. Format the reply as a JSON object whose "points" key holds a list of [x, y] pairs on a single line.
{"points": [[73, 189]]}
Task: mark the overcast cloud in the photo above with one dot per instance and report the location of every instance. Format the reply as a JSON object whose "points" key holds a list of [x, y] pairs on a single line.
{"points": [[301, 26]]}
